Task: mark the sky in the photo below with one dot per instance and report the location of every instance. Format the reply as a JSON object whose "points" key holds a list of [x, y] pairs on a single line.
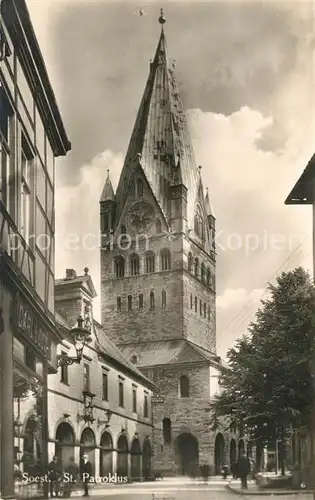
{"points": [[245, 72]]}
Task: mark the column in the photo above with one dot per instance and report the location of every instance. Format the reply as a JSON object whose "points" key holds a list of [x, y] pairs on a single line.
{"points": [[51, 450], [7, 430], [97, 461], [114, 461], [76, 454]]}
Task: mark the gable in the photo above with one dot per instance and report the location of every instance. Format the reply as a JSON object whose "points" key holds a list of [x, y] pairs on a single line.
{"points": [[141, 213]]}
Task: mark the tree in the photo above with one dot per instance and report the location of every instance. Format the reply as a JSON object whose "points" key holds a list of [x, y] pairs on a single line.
{"points": [[268, 387]]}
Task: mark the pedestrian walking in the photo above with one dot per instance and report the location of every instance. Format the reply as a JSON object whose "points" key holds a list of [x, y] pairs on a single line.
{"points": [[243, 469], [86, 473], [54, 476], [72, 474]]}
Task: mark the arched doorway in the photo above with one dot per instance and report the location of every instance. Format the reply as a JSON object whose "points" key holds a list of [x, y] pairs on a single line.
{"points": [[87, 445], [146, 459], [219, 453], [233, 451], [64, 447], [135, 460], [186, 453], [241, 447], [122, 456], [106, 454]]}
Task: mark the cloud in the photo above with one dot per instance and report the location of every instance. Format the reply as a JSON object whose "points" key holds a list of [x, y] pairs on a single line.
{"points": [[77, 219]]}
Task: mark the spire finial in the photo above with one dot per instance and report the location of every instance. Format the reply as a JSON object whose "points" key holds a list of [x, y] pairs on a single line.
{"points": [[162, 19], [108, 172]]}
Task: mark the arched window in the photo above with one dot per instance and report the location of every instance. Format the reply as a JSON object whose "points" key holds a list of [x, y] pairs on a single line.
{"points": [[158, 226], [150, 262], [165, 260], [204, 310], [202, 272], [140, 187], [184, 386], [190, 262], [200, 307], [196, 267], [120, 267], [208, 277], [198, 223], [167, 431], [196, 304], [134, 264], [152, 300], [140, 301], [129, 302], [163, 298], [123, 230], [191, 301], [208, 312], [118, 304]]}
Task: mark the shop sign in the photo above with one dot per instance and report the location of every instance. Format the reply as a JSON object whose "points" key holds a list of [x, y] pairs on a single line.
{"points": [[28, 323], [157, 399]]}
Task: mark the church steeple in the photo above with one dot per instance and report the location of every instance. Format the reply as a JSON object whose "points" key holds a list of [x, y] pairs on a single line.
{"points": [[108, 191], [107, 207], [161, 137]]}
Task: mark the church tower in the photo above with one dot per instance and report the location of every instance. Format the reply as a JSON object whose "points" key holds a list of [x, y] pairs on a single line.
{"points": [[158, 271]]}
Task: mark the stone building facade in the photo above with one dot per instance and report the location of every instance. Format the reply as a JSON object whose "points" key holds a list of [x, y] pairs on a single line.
{"points": [[158, 273], [32, 135], [116, 431]]}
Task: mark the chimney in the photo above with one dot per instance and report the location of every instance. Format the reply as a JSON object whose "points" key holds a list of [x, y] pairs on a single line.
{"points": [[70, 274]]}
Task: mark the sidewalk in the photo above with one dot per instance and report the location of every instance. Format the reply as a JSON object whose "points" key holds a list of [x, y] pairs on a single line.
{"points": [[253, 489]]}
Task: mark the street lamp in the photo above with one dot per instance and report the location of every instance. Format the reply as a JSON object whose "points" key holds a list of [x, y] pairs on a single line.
{"points": [[81, 337]]}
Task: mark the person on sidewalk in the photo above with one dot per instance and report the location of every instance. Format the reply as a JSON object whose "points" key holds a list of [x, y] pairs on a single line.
{"points": [[72, 471], [54, 476], [243, 469], [86, 472]]}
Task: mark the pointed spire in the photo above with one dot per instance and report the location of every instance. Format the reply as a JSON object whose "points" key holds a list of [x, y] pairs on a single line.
{"points": [[108, 192], [209, 208], [161, 135]]}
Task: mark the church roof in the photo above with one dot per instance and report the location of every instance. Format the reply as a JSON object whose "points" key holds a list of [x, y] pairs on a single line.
{"points": [[160, 139], [108, 192], [167, 352]]}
